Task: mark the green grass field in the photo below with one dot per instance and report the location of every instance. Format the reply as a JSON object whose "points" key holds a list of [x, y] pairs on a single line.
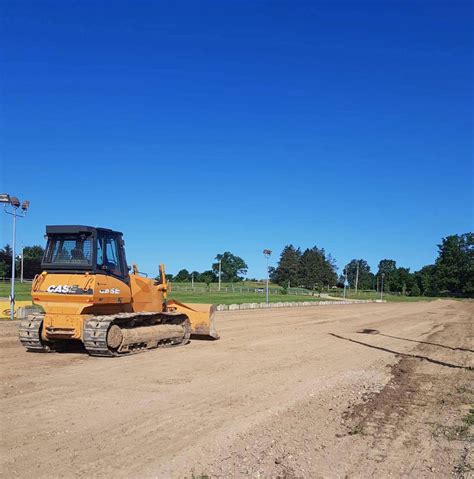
{"points": [[237, 297], [22, 293], [213, 287]]}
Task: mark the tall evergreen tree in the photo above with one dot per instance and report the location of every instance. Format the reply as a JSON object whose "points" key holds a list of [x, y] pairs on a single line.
{"points": [[308, 271], [316, 270], [330, 269], [287, 271]]}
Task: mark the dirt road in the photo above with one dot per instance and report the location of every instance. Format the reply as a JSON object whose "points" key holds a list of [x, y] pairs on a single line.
{"points": [[306, 392]]}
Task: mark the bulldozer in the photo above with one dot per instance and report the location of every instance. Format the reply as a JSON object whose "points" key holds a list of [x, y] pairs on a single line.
{"points": [[89, 294]]}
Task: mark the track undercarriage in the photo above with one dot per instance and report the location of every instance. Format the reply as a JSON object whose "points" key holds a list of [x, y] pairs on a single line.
{"points": [[116, 334]]}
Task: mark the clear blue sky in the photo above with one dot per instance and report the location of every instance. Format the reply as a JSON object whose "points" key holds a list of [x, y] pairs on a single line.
{"points": [[201, 127]]}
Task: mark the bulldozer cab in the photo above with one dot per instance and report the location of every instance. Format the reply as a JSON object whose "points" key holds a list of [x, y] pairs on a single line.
{"points": [[79, 249]]}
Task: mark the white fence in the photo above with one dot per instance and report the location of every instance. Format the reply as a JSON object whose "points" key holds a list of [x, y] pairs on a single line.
{"points": [[241, 289]]}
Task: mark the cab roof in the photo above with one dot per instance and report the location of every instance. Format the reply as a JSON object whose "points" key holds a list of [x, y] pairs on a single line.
{"points": [[77, 229]]}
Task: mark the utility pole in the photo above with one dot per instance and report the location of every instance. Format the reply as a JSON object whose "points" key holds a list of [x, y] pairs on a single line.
{"points": [[357, 278], [220, 270], [21, 270], [381, 289], [13, 203], [267, 253], [192, 281]]}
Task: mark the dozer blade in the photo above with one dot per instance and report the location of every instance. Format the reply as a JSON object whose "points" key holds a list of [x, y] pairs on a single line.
{"points": [[201, 317]]}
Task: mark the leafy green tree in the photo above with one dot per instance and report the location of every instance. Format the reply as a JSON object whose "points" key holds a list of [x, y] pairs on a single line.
{"points": [[426, 280], [231, 266], [415, 289], [366, 278], [287, 271], [388, 268], [6, 260], [455, 265], [183, 276], [3, 269], [31, 261], [404, 280], [207, 277], [169, 277]]}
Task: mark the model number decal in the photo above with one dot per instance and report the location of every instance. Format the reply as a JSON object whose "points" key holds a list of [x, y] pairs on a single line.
{"points": [[111, 291]]}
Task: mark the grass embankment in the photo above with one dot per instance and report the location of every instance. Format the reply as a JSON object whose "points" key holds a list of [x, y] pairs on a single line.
{"points": [[22, 293]]}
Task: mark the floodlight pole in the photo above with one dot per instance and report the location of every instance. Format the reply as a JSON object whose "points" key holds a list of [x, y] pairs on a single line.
{"points": [[14, 204], [381, 289], [267, 253], [268, 280], [220, 269], [12, 284]]}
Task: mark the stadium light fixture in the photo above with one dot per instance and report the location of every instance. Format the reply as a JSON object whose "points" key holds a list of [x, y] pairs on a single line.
{"points": [[14, 201]]}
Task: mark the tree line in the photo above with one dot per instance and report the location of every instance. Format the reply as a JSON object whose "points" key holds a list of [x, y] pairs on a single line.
{"points": [[32, 256], [452, 274], [232, 269], [312, 268]]}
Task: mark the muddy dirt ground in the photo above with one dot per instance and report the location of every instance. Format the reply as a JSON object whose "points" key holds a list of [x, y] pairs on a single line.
{"points": [[372, 390]]}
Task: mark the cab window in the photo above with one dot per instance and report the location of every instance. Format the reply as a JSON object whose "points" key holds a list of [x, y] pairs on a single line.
{"points": [[68, 250], [100, 252], [112, 256]]}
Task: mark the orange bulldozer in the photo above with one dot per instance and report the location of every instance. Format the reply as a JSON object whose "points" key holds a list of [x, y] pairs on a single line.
{"points": [[88, 294]]}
